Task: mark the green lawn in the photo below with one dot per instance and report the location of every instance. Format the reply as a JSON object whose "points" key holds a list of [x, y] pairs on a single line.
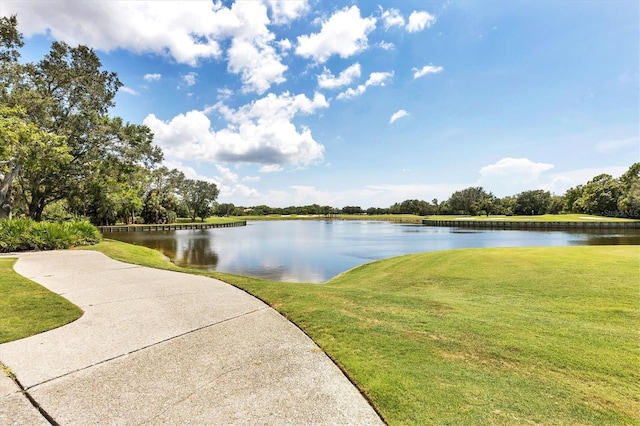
{"points": [[482, 336], [27, 308], [540, 218], [476, 336], [418, 219]]}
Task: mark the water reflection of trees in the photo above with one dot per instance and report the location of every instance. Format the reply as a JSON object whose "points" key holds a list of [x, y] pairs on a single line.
{"points": [[197, 253]]}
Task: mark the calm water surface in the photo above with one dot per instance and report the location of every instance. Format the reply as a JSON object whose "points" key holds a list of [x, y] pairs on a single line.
{"points": [[315, 251]]}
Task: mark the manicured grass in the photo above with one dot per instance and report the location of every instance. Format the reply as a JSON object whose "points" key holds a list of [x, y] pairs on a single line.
{"points": [[541, 218], [212, 219], [482, 336], [27, 308], [137, 255], [386, 217], [418, 219]]}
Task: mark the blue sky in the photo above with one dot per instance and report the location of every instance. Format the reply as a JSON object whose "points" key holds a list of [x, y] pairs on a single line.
{"points": [[367, 103]]}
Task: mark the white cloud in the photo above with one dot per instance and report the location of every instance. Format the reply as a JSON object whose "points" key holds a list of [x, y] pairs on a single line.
{"points": [[188, 32], [190, 78], [226, 173], [386, 46], [285, 45], [152, 77], [261, 132], [523, 168], [129, 90], [512, 175], [224, 93], [344, 34], [326, 80], [352, 93], [285, 11], [271, 168], [419, 20], [378, 78], [375, 79], [392, 18], [618, 145], [251, 54], [398, 114], [427, 69], [183, 30]]}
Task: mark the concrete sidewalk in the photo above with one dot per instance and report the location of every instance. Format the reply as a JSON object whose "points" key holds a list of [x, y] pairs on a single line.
{"points": [[161, 347]]}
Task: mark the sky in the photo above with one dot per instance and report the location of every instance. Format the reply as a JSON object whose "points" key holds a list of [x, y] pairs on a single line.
{"points": [[366, 103]]}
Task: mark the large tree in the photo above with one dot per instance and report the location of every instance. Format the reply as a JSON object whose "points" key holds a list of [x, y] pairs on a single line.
{"points": [[600, 195], [471, 201], [629, 200], [68, 94], [534, 202], [198, 196], [23, 147]]}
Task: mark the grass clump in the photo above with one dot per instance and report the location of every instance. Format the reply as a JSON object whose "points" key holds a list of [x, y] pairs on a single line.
{"points": [[26, 234], [27, 308]]}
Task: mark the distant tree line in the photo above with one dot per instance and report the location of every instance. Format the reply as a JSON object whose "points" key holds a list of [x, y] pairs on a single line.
{"points": [[62, 155], [603, 195]]}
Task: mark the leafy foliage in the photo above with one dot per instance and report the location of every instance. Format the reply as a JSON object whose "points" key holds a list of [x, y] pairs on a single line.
{"points": [[26, 234]]}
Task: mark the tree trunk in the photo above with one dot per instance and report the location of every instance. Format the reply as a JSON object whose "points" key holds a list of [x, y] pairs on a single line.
{"points": [[5, 207]]}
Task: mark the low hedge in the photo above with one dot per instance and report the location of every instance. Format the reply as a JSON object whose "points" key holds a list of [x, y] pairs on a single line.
{"points": [[27, 234]]}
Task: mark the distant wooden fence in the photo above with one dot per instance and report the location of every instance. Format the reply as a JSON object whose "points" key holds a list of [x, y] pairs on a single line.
{"points": [[172, 227], [505, 224]]}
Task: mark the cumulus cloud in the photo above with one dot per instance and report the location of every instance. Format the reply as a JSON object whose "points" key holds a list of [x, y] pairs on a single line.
{"points": [[188, 32], [427, 69], [375, 79], [509, 175], [190, 78], [344, 34], [398, 114], [285, 11], [523, 167], [226, 173], [261, 132], [386, 46], [419, 20], [180, 29], [129, 90], [326, 80], [392, 18], [152, 77], [251, 53], [271, 168]]}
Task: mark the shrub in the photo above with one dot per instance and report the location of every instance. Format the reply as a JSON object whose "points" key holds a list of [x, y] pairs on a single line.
{"points": [[25, 234]]}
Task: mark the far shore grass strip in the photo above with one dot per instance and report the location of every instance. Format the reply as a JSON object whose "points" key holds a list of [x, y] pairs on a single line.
{"points": [[407, 218], [475, 336]]}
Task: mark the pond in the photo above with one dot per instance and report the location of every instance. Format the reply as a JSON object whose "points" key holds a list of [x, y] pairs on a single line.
{"points": [[314, 251]]}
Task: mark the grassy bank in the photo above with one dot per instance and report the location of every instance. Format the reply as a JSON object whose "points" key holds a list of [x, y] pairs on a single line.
{"points": [[540, 218], [505, 336], [27, 308], [412, 218]]}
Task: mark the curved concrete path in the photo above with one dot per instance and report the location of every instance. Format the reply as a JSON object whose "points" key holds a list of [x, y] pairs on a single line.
{"points": [[161, 347]]}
